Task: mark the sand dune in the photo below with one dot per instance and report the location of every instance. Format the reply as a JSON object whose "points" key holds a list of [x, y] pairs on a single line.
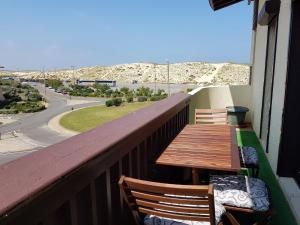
{"points": [[201, 73]]}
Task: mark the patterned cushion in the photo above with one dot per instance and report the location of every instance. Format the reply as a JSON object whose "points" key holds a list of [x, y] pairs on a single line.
{"points": [[241, 191], [155, 220], [248, 155]]}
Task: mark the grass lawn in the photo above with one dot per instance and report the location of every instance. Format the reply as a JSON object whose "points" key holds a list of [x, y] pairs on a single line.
{"points": [[284, 215], [88, 118]]}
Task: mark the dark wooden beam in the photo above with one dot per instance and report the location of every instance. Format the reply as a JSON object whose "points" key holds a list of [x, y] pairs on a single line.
{"points": [[219, 4]]}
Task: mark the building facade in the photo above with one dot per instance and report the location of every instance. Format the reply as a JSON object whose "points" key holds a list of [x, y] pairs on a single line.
{"points": [[274, 94], [274, 82]]}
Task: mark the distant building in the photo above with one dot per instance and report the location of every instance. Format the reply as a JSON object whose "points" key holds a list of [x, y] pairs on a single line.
{"points": [[111, 83]]}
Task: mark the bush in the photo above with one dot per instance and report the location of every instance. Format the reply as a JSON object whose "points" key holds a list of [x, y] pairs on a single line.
{"points": [[143, 91], [8, 111], [142, 98], [108, 93], [109, 103], [54, 83], [34, 97], [117, 101], [155, 98], [28, 107], [129, 99], [101, 88], [25, 107], [125, 90]]}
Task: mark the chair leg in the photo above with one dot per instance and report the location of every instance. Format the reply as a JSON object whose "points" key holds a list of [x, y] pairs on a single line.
{"points": [[257, 172], [267, 218], [231, 218]]}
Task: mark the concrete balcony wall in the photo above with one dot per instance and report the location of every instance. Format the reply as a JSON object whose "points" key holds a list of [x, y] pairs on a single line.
{"points": [[220, 97]]}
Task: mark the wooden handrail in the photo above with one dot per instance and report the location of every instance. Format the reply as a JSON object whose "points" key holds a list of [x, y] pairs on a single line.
{"points": [[80, 160]]}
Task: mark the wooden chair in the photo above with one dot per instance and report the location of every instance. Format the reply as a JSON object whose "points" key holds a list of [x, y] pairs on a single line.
{"points": [[210, 116], [160, 203], [219, 116], [249, 159]]}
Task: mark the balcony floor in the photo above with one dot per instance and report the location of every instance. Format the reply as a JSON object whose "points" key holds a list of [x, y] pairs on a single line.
{"points": [[284, 214]]}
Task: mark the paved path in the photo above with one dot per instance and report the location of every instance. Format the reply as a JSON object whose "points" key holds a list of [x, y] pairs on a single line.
{"points": [[34, 126]]}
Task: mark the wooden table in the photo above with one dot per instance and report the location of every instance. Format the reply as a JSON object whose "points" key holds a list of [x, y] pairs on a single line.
{"points": [[208, 147]]}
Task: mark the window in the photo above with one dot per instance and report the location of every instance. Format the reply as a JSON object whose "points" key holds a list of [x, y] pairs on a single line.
{"points": [[268, 83]]}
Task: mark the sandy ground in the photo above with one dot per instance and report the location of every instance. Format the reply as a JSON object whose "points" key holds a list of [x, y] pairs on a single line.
{"points": [[6, 119], [79, 101], [17, 142], [54, 124]]}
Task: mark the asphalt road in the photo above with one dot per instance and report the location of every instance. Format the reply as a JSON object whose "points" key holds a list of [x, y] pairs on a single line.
{"points": [[35, 126]]}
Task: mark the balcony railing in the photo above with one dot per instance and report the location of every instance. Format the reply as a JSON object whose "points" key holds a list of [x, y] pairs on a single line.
{"points": [[75, 181]]}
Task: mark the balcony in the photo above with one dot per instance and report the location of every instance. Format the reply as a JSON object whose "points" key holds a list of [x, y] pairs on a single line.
{"points": [[75, 181]]}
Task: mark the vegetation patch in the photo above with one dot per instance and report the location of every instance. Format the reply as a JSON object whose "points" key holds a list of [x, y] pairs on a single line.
{"points": [[19, 98], [105, 91], [88, 118]]}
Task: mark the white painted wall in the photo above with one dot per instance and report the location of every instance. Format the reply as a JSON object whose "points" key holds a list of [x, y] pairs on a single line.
{"points": [[258, 72], [291, 190], [220, 97], [279, 81]]}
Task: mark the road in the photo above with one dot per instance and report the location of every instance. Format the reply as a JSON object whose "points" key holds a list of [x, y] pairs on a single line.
{"points": [[34, 125]]}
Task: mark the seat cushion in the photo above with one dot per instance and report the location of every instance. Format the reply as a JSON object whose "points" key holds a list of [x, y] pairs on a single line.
{"points": [[241, 191], [248, 155], [156, 220]]}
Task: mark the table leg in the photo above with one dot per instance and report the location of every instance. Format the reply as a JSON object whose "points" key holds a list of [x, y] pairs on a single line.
{"points": [[195, 176]]}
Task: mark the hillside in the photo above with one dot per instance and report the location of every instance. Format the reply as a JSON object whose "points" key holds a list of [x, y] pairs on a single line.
{"points": [[190, 72]]}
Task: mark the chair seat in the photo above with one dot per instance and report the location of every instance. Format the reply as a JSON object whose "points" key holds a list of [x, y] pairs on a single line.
{"points": [[241, 191], [155, 220], [248, 156]]}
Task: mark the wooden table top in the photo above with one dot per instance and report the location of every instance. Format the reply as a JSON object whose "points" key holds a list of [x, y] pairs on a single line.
{"points": [[212, 147]]}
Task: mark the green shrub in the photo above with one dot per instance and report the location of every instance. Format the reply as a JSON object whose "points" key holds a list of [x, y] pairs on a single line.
{"points": [[142, 98], [25, 107], [155, 98], [34, 97], [101, 88], [28, 107], [125, 90], [117, 101], [54, 83], [8, 111], [109, 103], [108, 93], [129, 99], [144, 91], [163, 96]]}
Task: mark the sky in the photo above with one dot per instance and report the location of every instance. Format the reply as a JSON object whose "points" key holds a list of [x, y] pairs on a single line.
{"points": [[52, 34]]}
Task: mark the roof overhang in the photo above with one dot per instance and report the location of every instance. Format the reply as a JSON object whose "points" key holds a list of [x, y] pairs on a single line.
{"points": [[268, 11], [219, 4]]}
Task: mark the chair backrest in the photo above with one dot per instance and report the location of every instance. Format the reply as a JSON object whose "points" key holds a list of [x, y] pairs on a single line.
{"points": [[172, 201], [210, 116]]}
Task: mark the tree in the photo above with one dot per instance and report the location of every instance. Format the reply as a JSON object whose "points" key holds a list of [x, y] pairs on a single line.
{"points": [[1, 95], [125, 90], [101, 88]]}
